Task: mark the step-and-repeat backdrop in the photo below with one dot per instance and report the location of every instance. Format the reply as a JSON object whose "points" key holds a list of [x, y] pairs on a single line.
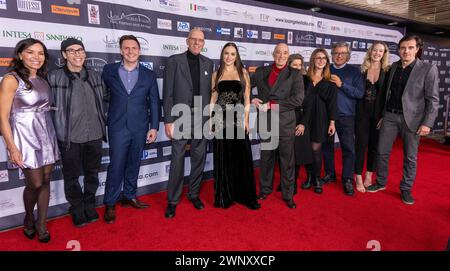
{"points": [[162, 27], [440, 57]]}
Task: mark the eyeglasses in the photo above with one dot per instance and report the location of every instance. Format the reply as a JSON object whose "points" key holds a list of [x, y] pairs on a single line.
{"points": [[321, 58], [77, 51], [340, 53]]}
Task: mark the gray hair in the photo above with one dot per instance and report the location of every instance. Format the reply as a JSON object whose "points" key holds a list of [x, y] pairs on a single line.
{"points": [[342, 44]]}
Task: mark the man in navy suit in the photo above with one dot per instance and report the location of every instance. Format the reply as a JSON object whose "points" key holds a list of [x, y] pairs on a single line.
{"points": [[133, 120]]}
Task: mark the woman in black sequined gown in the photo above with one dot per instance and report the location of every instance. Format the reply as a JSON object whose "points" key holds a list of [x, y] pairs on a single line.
{"points": [[234, 179]]}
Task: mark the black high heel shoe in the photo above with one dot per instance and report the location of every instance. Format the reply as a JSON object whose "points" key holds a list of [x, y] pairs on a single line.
{"points": [[29, 230], [43, 235], [30, 233]]}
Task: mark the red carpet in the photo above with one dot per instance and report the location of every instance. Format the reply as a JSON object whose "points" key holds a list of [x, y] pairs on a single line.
{"points": [[331, 221]]}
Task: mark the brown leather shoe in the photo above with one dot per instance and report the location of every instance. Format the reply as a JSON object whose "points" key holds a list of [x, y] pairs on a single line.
{"points": [[135, 203], [110, 214]]}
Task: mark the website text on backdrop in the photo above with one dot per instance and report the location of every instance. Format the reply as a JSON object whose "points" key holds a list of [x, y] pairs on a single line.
{"points": [[187, 83], [28, 131], [280, 89], [133, 120], [348, 79], [410, 108], [78, 95]]}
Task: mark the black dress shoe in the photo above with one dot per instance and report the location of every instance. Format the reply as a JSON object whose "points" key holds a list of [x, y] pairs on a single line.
{"points": [[135, 203], [262, 196], [79, 220], [329, 178], [170, 211], [317, 185], [91, 215], [279, 188], [198, 204], [291, 204], [348, 188], [253, 206], [110, 214]]}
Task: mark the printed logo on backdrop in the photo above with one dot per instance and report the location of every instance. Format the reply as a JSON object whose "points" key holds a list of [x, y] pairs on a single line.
{"points": [[93, 14], [279, 36], [242, 50], [95, 63], [171, 5], [65, 10], [327, 42], [318, 40], [304, 39], [226, 12], [203, 28], [74, 2], [167, 151], [2, 4], [248, 15], [5, 61], [131, 20], [223, 31], [252, 34], [264, 17], [392, 47], [183, 26], [238, 32], [148, 65], [4, 176], [362, 45], [290, 37], [263, 52], [148, 154], [265, 35], [32, 6], [167, 170], [6, 204], [164, 24], [200, 8], [113, 43]]}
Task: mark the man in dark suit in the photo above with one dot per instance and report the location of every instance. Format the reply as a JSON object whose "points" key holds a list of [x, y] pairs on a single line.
{"points": [[280, 90], [187, 84], [133, 120], [411, 102]]}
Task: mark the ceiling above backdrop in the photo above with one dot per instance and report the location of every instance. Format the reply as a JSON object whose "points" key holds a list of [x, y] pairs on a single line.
{"points": [[429, 17]]}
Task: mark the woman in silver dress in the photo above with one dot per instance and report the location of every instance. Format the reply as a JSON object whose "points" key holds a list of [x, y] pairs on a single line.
{"points": [[27, 128]]}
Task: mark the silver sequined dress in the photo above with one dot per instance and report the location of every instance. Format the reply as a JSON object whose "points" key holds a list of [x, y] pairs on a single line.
{"points": [[31, 123]]}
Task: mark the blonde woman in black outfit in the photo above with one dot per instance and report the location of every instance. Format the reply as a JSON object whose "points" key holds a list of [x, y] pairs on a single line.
{"points": [[374, 68]]}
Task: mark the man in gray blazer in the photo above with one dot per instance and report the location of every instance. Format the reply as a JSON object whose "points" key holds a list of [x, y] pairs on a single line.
{"points": [[411, 106], [280, 88], [187, 78]]}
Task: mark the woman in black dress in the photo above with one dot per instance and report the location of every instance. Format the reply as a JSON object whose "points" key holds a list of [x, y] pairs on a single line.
{"points": [[234, 180], [321, 110], [374, 69]]}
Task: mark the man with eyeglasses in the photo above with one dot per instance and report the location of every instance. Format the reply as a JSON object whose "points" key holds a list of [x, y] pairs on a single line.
{"points": [[348, 79], [187, 78], [78, 94]]}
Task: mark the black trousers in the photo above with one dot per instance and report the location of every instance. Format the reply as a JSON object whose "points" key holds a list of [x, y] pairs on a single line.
{"points": [[81, 159], [366, 137]]}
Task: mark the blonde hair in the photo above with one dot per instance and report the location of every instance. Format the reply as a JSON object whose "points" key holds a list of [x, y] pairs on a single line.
{"points": [[312, 67], [384, 60]]}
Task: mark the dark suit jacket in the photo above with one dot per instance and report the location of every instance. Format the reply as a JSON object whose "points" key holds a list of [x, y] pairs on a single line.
{"points": [[178, 87], [420, 98], [136, 110], [288, 92]]}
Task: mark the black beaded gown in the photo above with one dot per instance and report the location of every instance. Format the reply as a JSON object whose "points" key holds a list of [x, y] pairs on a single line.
{"points": [[234, 180]]}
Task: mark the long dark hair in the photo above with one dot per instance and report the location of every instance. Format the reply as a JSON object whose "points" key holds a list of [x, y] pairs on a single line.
{"points": [[237, 63], [19, 68]]}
